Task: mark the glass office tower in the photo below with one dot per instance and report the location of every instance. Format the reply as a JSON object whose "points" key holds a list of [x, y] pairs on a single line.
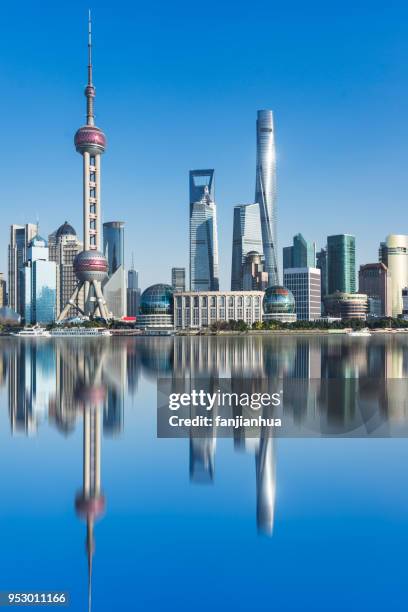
{"points": [[39, 284], [203, 232], [265, 191], [341, 263], [301, 255], [114, 245], [247, 237]]}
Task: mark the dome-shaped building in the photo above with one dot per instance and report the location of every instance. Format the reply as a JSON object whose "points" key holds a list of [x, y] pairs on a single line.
{"points": [[279, 304], [156, 308], [65, 229]]}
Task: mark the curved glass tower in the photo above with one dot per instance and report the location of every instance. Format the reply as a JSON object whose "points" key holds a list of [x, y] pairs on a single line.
{"points": [[265, 190]]}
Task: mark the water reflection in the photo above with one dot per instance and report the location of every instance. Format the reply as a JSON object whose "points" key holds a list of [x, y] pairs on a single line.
{"points": [[66, 383]]}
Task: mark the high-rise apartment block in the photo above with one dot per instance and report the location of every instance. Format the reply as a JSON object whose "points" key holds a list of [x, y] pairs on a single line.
{"points": [[247, 237], [305, 285], [265, 191], [204, 274], [341, 263]]}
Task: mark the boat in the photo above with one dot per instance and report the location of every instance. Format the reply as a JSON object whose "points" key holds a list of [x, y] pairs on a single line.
{"points": [[360, 333], [79, 332], [32, 332]]}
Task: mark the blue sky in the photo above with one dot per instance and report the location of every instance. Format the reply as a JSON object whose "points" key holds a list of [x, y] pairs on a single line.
{"points": [[178, 87]]}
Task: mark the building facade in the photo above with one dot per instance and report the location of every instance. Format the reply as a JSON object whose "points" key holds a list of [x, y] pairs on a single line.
{"points": [[265, 191], [20, 236], [393, 253], [195, 310], [305, 285], [178, 279], [302, 254], [63, 247], [247, 237], [374, 280], [204, 275], [341, 263]]}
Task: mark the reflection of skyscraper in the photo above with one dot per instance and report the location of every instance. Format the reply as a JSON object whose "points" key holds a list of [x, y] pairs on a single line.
{"points": [[203, 232], [31, 385], [265, 482], [265, 191], [247, 237]]}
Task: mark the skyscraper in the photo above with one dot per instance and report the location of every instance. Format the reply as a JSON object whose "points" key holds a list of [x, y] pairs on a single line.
{"points": [[247, 236], [39, 283], [178, 279], [341, 263], [133, 292], [114, 245], [265, 191], [321, 263], [203, 232], [114, 251], [63, 247], [301, 255], [393, 253], [20, 236], [90, 266], [374, 279]]}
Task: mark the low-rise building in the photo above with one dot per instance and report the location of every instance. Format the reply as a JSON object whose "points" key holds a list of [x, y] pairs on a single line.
{"points": [[346, 305], [197, 309]]}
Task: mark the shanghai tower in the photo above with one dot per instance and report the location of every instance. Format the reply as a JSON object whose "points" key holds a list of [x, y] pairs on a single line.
{"points": [[265, 191]]}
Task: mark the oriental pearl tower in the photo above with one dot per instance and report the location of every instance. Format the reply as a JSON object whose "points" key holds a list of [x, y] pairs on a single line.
{"points": [[91, 267]]}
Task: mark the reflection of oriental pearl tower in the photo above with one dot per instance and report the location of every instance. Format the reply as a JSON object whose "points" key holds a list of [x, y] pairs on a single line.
{"points": [[90, 265], [90, 502]]}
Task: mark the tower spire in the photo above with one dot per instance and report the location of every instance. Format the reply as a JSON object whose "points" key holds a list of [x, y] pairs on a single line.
{"points": [[90, 89]]}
